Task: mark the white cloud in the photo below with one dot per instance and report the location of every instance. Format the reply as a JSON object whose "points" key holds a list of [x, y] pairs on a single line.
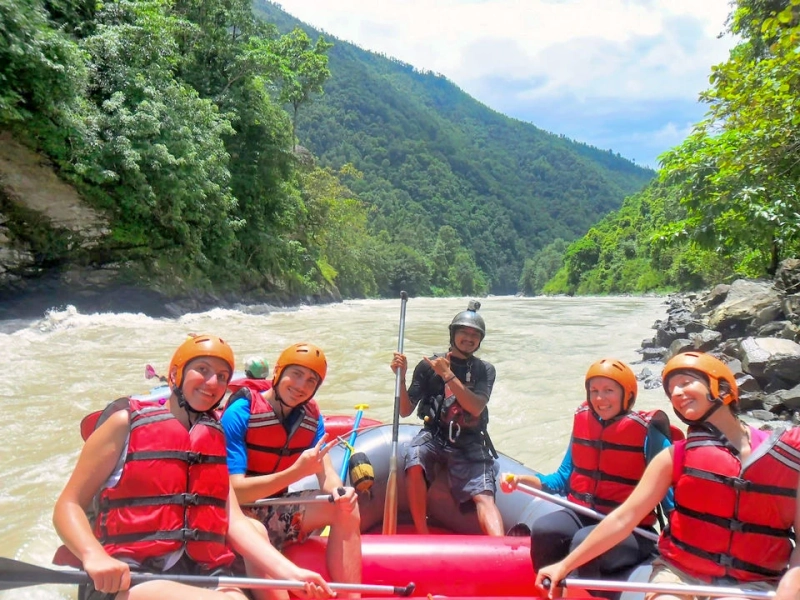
{"points": [[563, 50]]}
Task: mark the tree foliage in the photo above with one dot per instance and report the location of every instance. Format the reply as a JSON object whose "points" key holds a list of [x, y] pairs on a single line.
{"points": [[727, 201]]}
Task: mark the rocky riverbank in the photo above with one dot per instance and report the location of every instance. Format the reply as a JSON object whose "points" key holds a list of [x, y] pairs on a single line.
{"points": [[753, 326]]}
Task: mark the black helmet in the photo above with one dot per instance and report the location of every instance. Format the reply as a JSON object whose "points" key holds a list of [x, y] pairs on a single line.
{"points": [[468, 318]]}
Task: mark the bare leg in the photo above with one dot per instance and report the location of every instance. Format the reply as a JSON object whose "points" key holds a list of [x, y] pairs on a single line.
{"points": [[417, 498], [343, 553], [488, 514], [252, 572], [171, 590]]}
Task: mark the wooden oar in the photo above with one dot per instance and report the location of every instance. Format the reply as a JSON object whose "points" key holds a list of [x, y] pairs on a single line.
{"points": [[650, 535], [390, 507], [16, 574], [321, 499], [663, 588]]}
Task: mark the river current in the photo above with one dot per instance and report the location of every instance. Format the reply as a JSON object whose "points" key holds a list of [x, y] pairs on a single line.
{"points": [[57, 369]]}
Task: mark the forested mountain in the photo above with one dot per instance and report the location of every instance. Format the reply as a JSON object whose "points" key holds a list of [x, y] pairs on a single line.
{"points": [[433, 157], [177, 122], [726, 203]]}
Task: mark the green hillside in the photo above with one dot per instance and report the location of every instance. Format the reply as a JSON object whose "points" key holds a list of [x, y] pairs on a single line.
{"points": [[726, 203], [432, 156]]}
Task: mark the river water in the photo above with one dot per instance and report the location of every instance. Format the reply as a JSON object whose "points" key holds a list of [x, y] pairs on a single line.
{"points": [[58, 369]]}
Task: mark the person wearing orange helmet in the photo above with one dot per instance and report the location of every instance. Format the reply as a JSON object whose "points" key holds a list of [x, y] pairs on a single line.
{"points": [[451, 392], [610, 447], [155, 477], [735, 516], [276, 437]]}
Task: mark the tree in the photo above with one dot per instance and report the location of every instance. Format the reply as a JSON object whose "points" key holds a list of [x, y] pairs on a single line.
{"points": [[738, 171], [303, 68]]}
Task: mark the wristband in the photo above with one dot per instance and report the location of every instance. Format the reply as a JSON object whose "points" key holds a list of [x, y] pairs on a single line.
{"points": [[449, 379]]}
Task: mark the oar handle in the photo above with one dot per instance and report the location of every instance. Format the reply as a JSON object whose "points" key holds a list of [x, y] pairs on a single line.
{"points": [[321, 499], [279, 584], [664, 588], [16, 574], [650, 535]]}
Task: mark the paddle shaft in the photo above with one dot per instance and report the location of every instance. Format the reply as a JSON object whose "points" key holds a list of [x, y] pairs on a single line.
{"points": [[390, 508], [666, 588], [588, 512], [14, 574], [290, 501], [353, 435]]}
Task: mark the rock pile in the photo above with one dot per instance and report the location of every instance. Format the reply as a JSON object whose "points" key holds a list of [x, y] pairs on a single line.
{"points": [[753, 326]]}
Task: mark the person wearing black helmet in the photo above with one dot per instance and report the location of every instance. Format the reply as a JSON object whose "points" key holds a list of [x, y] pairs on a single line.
{"points": [[450, 392]]}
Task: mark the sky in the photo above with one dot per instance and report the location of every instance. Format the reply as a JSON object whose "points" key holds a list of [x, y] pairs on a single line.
{"points": [[623, 75]]}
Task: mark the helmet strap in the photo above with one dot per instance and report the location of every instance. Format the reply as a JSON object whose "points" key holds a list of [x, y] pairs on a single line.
{"points": [[189, 409], [717, 404]]}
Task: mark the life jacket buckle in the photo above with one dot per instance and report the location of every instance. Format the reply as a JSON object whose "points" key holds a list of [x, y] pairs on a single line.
{"points": [[741, 485], [190, 535], [737, 526], [450, 435], [190, 499], [726, 560], [193, 458]]}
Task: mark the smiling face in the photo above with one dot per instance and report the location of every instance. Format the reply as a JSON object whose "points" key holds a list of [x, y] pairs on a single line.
{"points": [[689, 395], [466, 340], [205, 380], [605, 396], [297, 384]]}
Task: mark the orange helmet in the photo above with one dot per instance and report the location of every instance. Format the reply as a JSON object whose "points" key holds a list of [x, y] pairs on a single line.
{"points": [[305, 355], [195, 347], [619, 372], [711, 368]]}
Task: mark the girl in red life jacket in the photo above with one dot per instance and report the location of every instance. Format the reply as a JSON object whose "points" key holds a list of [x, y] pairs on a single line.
{"points": [[735, 517], [155, 476], [610, 447]]}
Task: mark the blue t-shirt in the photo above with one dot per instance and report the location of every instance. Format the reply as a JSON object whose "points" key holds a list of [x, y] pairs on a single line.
{"points": [[234, 422], [558, 482]]}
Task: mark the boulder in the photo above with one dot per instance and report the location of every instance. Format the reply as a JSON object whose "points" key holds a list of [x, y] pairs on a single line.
{"points": [[715, 297], [785, 399], [767, 358], [787, 277], [705, 340], [678, 346], [748, 303]]}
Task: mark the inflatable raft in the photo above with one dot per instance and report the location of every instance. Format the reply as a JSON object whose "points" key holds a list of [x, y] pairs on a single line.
{"points": [[457, 561]]}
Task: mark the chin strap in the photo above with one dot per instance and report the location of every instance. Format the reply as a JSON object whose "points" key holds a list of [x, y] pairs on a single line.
{"points": [[184, 404], [695, 422]]}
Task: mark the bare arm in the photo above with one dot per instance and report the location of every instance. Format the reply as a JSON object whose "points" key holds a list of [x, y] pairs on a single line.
{"points": [[470, 401], [95, 464], [310, 462], [616, 526], [400, 364]]}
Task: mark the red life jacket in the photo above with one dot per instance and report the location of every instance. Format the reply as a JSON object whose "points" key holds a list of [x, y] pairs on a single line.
{"points": [[270, 448], [256, 385], [609, 457], [172, 493], [733, 520]]}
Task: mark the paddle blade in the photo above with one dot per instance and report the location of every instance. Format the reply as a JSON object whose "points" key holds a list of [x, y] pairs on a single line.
{"points": [[16, 574], [390, 508]]}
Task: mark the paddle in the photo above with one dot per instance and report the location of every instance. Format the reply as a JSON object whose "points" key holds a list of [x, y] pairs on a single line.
{"points": [[662, 588], [321, 499], [360, 408], [390, 507], [16, 574], [650, 535]]}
